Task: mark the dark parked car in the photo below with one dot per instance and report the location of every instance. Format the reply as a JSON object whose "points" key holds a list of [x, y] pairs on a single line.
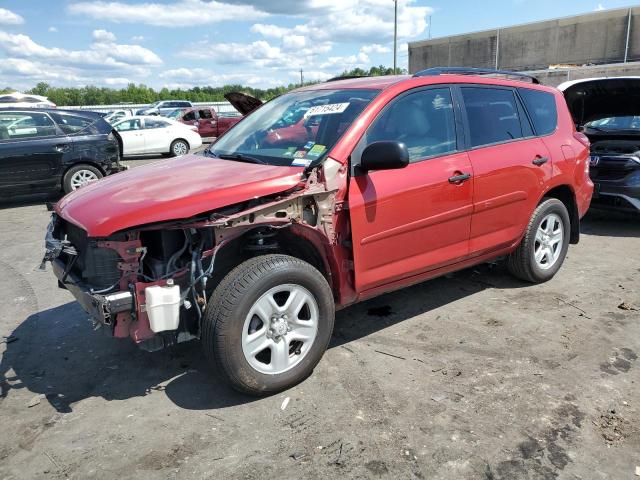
{"points": [[608, 112], [43, 150]]}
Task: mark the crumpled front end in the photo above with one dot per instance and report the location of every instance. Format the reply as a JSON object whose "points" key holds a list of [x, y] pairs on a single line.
{"points": [[153, 282]]}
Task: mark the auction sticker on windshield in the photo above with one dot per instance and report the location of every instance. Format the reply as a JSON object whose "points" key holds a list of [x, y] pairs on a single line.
{"points": [[327, 109]]}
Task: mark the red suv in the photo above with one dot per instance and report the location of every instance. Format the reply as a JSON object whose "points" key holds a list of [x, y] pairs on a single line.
{"points": [[251, 249]]}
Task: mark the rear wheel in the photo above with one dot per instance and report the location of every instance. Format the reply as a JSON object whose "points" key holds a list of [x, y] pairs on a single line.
{"points": [[268, 323], [544, 246], [179, 147], [80, 175]]}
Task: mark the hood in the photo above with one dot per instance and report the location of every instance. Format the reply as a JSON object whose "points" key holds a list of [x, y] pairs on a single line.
{"points": [[170, 190], [242, 102], [595, 98]]}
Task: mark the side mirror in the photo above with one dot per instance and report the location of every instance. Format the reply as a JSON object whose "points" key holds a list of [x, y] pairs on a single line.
{"points": [[385, 155]]}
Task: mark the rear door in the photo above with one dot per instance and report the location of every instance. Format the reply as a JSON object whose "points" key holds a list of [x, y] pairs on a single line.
{"points": [[408, 221], [31, 151], [510, 164], [157, 135]]}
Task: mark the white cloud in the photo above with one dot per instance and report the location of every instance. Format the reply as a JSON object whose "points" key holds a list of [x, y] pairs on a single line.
{"points": [[311, 75], [375, 48], [103, 36], [7, 17], [103, 54], [599, 8], [190, 77], [269, 30], [138, 38], [52, 29], [182, 13], [116, 81]]}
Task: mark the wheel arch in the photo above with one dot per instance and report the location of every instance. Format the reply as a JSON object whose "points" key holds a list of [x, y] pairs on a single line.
{"points": [[84, 161], [566, 195]]}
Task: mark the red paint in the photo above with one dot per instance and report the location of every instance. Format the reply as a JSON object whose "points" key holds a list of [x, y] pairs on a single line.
{"points": [[170, 189], [207, 121], [394, 227]]}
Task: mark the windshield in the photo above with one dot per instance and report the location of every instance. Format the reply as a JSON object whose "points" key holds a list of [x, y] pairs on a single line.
{"points": [[174, 113], [296, 129], [616, 123]]}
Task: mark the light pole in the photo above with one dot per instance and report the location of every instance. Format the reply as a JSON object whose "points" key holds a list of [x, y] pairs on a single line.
{"points": [[395, 34]]}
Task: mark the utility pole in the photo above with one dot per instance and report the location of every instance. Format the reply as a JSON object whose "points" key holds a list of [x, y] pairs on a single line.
{"points": [[429, 27], [301, 78], [395, 35]]}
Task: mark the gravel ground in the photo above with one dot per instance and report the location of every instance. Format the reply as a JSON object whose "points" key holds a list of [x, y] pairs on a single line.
{"points": [[471, 376]]}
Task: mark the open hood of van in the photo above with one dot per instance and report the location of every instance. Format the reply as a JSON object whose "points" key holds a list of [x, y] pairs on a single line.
{"points": [[595, 98], [242, 102]]}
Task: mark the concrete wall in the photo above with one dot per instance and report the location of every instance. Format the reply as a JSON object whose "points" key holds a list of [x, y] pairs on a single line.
{"points": [[594, 38]]}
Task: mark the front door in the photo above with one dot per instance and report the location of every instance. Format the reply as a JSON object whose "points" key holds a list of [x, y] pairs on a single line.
{"points": [[130, 131], [206, 123], [510, 165], [409, 221]]}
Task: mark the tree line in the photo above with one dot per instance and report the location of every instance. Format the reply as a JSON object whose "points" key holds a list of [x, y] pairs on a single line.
{"points": [[132, 93]]}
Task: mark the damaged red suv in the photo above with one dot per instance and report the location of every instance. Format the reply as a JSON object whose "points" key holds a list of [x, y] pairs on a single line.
{"points": [[251, 248]]}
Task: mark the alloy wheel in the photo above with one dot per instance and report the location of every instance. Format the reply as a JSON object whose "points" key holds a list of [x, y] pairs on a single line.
{"points": [[280, 329]]}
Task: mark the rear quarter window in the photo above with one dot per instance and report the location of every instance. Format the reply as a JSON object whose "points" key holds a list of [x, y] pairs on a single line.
{"points": [[542, 109]]}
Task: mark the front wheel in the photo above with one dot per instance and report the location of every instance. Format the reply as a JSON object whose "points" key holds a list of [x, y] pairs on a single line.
{"points": [[179, 147], [268, 324], [544, 246]]}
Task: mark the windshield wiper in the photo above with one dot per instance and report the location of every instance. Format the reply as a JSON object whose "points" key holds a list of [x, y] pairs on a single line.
{"points": [[239, 157]]}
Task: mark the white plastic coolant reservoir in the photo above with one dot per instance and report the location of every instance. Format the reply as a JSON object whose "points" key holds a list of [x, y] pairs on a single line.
{"points": [[163, 307]]}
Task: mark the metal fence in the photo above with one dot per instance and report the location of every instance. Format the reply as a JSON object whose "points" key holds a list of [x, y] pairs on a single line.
{"points": [[220, 107]]}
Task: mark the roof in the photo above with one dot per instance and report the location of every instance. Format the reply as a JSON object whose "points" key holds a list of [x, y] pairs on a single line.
{"points": [[374, 83], [565, 85]]}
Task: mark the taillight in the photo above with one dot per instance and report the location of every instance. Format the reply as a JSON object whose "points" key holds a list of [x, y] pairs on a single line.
{"points": [[582, 138]]}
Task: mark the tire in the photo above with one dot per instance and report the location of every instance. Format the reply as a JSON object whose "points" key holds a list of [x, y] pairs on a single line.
{"points": [[179, 147], [80, 175], [550, 218], [230, 321]]}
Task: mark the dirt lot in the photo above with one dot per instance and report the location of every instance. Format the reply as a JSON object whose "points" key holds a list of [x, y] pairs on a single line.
{"points": [[470, 376]]}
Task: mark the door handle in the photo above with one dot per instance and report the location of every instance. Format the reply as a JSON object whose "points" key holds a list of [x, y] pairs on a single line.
{"points": [[458, 179], [540, 160], [61, 148]]}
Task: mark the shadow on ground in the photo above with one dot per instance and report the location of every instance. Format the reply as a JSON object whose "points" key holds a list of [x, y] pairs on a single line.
{"points": [[56, 353]]}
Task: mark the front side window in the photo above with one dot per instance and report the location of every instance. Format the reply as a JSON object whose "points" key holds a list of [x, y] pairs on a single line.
{"points": [[206, 114], [25, 125], [542, 109], [492, 114], [189, 116], [272, 135], [127, 125], [424, 121]]}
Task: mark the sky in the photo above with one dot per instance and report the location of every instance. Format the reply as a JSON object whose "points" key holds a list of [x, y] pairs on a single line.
{"points": [[258, 43]]}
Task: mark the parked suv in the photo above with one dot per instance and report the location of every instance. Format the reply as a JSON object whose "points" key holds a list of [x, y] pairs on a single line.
{"points": [[401, 179], [43, 150], [164, 106], [607, 110]]}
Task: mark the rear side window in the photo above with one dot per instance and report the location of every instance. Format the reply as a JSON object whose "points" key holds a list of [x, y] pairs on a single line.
{"points": [[424, 121], [542, 109], [25, 125], [155, 123], [71, 124], [492, 114]]}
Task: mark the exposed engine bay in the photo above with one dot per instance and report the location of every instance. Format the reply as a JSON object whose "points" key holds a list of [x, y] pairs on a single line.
{"points": [[153, 283]]}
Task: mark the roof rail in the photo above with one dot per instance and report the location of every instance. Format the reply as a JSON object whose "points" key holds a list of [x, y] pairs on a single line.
{"points": [[346, 77], [473, 71]]}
